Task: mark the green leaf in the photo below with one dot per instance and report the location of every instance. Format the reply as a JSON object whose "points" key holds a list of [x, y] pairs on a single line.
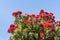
{"points": [[20, 27], [56, 38], [35, 35]]}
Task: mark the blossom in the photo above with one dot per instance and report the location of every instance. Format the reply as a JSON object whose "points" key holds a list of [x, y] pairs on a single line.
{"points": [[41, 34], [19, 12], [50, 14], [37, 16], [41, 11], [50, 25], [16, 13], [10, 30], [43, 15], [47, 24], [27, 21], [32, 15], [12, 27]]}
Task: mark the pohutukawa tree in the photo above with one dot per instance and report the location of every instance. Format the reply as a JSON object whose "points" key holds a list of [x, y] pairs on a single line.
{"points": [[34, 27]]}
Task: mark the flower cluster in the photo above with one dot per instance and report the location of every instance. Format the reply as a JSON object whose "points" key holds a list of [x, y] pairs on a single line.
{"points": [[12, 27], [41, 26], [47, 24], [16, 13]]}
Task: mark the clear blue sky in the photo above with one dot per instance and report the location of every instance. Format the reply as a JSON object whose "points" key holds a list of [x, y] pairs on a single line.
{"points": [[27, 6]]}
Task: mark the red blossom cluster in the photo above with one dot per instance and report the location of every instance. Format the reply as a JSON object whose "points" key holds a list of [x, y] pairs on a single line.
{"points": [[27, 21], [47, 24], [46, 14], [16, 13], [12, 27]]}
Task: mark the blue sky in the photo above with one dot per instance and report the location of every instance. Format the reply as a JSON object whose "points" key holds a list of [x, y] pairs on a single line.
{"points": [[27, 6]]}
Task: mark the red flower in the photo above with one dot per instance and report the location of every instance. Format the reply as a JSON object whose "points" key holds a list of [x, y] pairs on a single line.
{"points": [[41, 11], [10, 30], [45, 24], [19, 12], [14, 13], [32, 15], [37, 16], [41, 34], [51, 25], [27, 22], [51, 13], [12, 25], [45, 15]]}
